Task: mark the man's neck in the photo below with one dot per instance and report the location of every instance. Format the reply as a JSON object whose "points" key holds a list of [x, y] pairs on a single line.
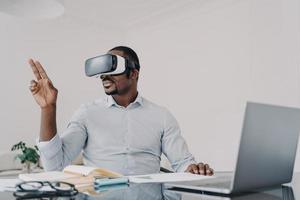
{"points": [[126, 99]]}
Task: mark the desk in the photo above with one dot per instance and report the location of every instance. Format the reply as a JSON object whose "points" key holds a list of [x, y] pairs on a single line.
{"points": [[158, 192]]}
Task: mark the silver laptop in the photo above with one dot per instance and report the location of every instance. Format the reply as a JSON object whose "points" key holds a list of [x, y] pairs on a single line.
{"points": [[266, 155]]}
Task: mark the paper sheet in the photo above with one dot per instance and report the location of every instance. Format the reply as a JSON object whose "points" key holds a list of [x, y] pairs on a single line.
{"points": [[46, 176], [84, 170], [167, 177], [8, 184]]}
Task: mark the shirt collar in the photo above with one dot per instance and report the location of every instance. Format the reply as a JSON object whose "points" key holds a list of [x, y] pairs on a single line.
{"points": [[111, 102]]}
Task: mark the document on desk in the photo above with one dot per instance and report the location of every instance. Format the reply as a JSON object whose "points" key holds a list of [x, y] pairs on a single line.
{"points": [[8, 184], [167, 177]]}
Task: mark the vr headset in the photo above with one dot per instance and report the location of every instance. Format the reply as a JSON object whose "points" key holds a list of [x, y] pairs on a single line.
{"points": [[107, 65]]}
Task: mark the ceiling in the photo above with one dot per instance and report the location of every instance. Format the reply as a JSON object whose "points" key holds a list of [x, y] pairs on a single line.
{"points": [[124, 15]]}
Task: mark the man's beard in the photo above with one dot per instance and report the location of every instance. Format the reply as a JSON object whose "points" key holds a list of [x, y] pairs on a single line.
{"points": [[116, 91], [113, 92]]}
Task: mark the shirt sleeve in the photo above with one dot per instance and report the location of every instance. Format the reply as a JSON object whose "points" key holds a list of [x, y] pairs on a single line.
{"points": [[174, 145], [60, 151]]}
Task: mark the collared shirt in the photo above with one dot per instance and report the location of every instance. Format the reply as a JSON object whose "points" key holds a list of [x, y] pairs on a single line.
{"points": [[126, 140]]}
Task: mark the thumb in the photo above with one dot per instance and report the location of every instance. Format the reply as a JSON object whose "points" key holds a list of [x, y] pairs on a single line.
{"points": [[189, 169]]}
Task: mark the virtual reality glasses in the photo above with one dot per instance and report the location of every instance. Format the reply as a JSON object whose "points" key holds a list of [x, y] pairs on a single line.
{"points": [[107, 64]]}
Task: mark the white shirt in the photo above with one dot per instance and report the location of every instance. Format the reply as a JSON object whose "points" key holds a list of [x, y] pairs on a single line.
{"points": [[126, 140]]}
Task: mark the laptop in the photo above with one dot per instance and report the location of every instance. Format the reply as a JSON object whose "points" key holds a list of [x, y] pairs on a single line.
{"points": [[267, 152]]}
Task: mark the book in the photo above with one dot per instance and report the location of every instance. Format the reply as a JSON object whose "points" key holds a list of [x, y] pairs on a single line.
{"points": [[78, 175]]}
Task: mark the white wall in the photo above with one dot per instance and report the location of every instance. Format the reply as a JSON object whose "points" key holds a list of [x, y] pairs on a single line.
{"points": [[206, 63], [202, 59], [61, 46]]}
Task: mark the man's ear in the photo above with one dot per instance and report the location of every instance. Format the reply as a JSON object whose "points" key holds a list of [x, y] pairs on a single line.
{"points": [[134, 74]]}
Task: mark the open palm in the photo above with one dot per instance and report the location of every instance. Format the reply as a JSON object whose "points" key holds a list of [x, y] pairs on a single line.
{"points": [[42, 89]]}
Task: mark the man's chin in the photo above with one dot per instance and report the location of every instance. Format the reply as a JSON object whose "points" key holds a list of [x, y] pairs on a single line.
{"points": [[112, 92]]}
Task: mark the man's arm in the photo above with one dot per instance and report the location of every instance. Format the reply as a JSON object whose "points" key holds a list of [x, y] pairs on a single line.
{"points": [[45, 94], [60, 151], [56, 152], [176, 149], [48, 123]]}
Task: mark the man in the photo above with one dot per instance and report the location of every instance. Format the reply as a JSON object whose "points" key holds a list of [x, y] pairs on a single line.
{"points": [[123, 132]]}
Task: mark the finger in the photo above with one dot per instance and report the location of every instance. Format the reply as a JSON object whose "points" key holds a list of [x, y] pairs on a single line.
{"points": [[34, 69], [41, 70], [33, 86], [201, 168], [33, 83], [189, 169], [192, 169], [49, 83], [195, 169], [33, 89], [206, 167], [209, 171]]}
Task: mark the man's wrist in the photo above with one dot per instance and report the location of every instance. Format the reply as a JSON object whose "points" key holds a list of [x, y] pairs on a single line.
{"points": [[48, 108]]}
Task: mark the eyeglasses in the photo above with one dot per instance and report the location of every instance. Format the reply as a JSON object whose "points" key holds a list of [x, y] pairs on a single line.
{"points": [[39, 189]]}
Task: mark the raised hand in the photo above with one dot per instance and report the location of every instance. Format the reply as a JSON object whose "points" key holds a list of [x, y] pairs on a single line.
{"points": [[42, 88]]}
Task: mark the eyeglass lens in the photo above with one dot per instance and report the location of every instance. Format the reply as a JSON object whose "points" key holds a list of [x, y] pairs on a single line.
{"points": [[31, 186], [62, 186]]}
